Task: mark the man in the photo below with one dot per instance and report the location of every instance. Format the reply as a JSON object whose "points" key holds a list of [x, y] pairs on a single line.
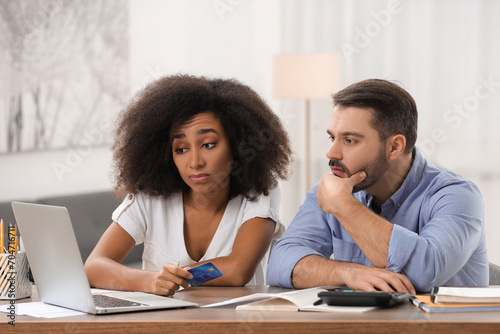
{"points": [[392, 220]]}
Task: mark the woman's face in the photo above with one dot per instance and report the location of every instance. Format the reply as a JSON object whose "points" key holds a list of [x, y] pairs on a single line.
{"points": [[202, 154]]}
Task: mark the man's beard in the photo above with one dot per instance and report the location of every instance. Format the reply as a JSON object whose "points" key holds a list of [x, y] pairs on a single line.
{"points": [[374, 170]]}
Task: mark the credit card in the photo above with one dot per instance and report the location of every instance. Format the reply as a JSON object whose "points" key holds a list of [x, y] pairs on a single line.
{"points": [[204, 273]]}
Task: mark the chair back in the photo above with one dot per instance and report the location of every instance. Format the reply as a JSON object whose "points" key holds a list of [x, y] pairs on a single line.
{"points": [[494, 274]]}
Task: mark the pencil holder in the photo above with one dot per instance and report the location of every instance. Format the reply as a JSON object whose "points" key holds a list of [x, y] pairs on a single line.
{"points": [[14, 276]]}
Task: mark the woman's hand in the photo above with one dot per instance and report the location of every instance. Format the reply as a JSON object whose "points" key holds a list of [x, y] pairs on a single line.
{"points": [[169, 279]]}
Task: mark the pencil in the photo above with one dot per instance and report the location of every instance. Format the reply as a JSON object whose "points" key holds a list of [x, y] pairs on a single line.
{"points": [[2, 240], [12, 240], [16, 242]]}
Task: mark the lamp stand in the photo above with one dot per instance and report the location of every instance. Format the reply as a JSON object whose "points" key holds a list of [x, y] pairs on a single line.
{"points": [[308, 145]]}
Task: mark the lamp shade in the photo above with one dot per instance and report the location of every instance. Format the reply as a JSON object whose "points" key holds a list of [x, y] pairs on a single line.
{"points": [[306, 75]]}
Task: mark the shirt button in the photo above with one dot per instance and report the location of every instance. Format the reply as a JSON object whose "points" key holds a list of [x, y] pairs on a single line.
{"points": [[398, 205], [130, 196]]}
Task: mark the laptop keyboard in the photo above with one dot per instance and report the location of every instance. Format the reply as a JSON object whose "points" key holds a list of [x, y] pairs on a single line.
{"points": [[107, 302]]}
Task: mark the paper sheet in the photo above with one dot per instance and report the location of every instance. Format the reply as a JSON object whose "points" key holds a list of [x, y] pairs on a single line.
{"points": [[253, 297], [40, 310]]}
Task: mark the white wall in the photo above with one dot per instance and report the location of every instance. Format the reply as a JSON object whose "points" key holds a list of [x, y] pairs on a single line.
{"points": [[235, 40], [31, 175]]}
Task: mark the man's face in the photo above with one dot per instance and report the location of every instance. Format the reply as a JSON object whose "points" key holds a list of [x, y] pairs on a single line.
{"points": [[355, 146]]}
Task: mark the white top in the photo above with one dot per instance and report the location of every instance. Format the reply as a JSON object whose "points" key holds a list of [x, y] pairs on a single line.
{"points": [[159, 224]]}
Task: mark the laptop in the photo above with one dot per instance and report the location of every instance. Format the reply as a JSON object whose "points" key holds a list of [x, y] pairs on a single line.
{"points": [[57, 266]]}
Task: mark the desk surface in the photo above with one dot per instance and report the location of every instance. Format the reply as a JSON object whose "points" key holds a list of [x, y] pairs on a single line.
{"points": [[404, 318]]}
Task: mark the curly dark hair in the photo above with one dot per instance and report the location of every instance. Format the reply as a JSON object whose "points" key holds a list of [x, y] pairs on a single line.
{"points": [[142, 151]]}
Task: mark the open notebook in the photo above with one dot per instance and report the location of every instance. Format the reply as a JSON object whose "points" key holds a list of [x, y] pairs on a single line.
{"points": [[57, 266]]}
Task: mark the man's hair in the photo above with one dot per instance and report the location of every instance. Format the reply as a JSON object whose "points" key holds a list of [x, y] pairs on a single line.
{"points": [[142, 150], [394, 110]]}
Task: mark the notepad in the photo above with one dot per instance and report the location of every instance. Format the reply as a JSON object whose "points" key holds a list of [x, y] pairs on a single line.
{"points": [[426, 305], [41, 310]]}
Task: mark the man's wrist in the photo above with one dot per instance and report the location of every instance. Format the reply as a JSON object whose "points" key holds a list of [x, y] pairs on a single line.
{"points": [[345, 206], [340, 271]]}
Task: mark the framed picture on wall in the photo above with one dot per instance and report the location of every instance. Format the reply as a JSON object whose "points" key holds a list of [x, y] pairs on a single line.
{"points": [[63, 72]]}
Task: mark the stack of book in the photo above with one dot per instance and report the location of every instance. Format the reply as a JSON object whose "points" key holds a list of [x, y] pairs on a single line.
{"points": [[460, 299]]}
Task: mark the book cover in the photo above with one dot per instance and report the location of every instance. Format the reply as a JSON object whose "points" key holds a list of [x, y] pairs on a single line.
{"points": [[426, 305], [489, 294]]}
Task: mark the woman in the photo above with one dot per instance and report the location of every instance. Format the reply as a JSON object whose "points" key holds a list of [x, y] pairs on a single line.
{"points": [[198, 160]]}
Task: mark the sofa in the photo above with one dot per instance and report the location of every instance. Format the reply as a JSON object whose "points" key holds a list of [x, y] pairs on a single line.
{"points": [[90, 214]]}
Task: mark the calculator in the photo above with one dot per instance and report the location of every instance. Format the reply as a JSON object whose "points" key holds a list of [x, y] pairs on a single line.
{"points": [[343, 297]]}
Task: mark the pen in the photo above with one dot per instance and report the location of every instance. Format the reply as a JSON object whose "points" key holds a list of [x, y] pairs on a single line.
{"points": [[318, 302], [434, 292]]}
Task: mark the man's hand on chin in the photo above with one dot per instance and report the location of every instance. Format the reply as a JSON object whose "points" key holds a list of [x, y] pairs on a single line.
{"points": [[333, 190]]}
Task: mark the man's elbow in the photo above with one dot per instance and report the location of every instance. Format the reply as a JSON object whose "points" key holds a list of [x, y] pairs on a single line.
{"points": [[423, 287], [425, 282]]}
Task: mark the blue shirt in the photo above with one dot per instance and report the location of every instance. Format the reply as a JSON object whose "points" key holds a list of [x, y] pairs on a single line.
{"points": [[438, 236]]}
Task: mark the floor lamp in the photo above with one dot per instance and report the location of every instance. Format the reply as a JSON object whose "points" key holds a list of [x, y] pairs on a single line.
{"points": [[306, 76]]}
